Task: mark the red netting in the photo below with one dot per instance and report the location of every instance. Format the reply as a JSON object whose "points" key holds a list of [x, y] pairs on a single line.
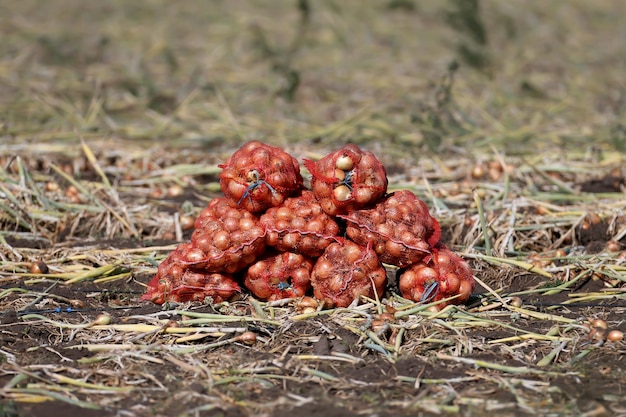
{"points": [[399, 228], [258, 176], [226, 238], [276, 276], [178, 282], [347, 179], [299, 225], [345, 272], [446, 275]]}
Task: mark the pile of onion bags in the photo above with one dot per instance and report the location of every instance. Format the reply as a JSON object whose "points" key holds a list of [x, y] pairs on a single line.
{"points": [[276, 239]]}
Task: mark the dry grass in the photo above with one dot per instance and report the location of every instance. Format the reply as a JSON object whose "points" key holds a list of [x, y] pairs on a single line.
{"points": [[115, 115]]}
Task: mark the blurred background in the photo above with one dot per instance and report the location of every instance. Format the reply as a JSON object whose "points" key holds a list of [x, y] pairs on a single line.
{"points": [[412, 76]]}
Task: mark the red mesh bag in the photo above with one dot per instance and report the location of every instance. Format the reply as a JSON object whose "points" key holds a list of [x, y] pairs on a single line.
{"points": [[446, 275], [178, 282], [276, 276], [299, 225], [258, 176], [345, 272], [226, 238], [347, 179], [399, 228]]}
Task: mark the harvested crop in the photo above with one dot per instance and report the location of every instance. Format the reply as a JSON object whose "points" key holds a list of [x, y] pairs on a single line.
{"points": [[299, 225], [281, 275], [226, 238], [272, 228], [347, 179], [443, 275], [258, 176], [346, 271], [399, 228]]}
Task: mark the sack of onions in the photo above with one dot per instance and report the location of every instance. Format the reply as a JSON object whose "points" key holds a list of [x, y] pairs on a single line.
{"points": [[177, 282], [299, 225], [226, 238], [279, 275], [347, 179], [399, 228], [258, 176], [345, 272], [445, 275]]}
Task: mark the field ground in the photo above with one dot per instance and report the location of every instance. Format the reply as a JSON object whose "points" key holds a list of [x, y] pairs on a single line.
{"points": [[507, 120]]}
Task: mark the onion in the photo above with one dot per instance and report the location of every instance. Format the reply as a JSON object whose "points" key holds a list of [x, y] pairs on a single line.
{"points": [[465, 291], [340, 174], [599, 323], [427, 274], [195, 255], [221, 240], [344, 162], [277, 179], [316, 226], [363, 195], [283, 213], [298, 223], [247, 338], [307, 303], [291, 240], [352, 252], [387, 317], [246, 223], [342, 193], [451, 283], [236, 190], [230, 224], [175, 190], [271, 238], [615, 336], [39, 268], [323, 268], [252, 176], [103, 319], [186, 222], [394, 249], [260, 156]]}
